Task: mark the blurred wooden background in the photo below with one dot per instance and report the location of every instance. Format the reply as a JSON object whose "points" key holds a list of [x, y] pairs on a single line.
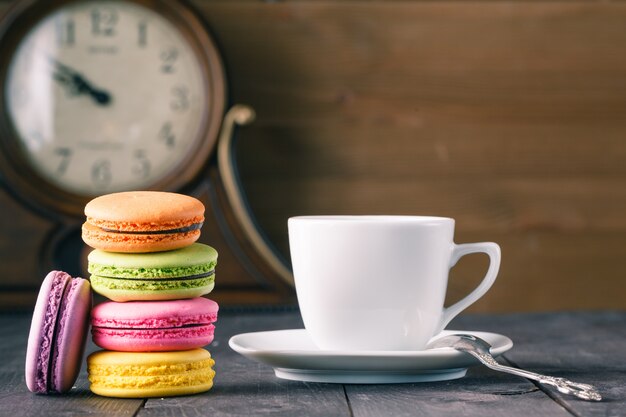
{"points": [[509, 116]]}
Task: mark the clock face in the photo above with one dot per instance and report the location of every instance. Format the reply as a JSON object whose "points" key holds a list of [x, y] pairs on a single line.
{"points": [[106, 96]]}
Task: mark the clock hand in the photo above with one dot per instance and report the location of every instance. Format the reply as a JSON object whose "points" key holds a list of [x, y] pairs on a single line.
{"points": [[83, 86], [79, 84]]}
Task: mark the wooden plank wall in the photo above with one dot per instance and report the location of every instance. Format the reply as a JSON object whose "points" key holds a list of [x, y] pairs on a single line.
{"points": [[509, 116]]}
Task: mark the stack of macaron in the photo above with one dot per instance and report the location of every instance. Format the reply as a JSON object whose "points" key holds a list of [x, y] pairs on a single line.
{"points": [[146, 261]]}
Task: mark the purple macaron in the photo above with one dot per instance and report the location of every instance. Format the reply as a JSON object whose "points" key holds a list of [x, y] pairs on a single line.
{"points": [[58, 333]]}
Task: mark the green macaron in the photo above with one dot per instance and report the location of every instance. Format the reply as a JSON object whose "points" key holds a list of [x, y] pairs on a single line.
{"points": [[182, 273]]}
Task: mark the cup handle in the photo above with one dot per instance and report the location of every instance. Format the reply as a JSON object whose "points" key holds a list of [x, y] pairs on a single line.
{"points": [[493, 251]]}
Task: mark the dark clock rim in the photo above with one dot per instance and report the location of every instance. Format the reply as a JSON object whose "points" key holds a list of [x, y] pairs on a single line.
{"points": [[27, 185]]}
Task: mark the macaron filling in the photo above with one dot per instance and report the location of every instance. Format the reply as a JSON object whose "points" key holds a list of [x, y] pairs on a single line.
{"points": [[176, 278], [170, 322], [184, 272], [207, 326], [188, 331], [186, 229], [151, 284]]}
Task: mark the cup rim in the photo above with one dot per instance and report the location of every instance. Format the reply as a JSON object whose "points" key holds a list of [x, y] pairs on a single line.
{"points": [[372, 218]]}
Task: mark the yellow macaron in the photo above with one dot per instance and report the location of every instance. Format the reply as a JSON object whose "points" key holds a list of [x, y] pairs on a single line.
{"points": [[150, 374]]}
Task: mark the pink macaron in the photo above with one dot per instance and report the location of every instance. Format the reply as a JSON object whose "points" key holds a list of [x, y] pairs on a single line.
{"points": [[58, 333], [145, 326]]}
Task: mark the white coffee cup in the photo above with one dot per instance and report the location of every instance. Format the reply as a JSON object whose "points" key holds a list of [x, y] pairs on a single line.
{"points": [[378, 282]]}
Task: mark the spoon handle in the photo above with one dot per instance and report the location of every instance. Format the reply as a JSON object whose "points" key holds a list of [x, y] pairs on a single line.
{"points": [[584, 391]]}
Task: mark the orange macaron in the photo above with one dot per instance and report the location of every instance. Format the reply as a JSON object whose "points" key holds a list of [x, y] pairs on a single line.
{"points": [[142, 221]]}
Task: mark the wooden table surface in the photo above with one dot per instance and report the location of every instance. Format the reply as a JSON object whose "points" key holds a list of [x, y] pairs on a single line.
{"points": [[582, 346]]}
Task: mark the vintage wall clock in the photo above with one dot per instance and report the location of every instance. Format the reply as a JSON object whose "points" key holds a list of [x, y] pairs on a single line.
{"points": [[103, 96]]}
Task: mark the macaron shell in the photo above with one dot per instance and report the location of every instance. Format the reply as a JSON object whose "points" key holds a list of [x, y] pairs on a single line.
{"points": [[72, 329], [195, 259], [150, 374], [41, 335], [195, 387], [58, 333], [144, 211], [136, 243], [154, 315], [122, 290]]}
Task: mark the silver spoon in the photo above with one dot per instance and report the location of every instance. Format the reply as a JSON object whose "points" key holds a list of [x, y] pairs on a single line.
{"points": [[479, 348]]}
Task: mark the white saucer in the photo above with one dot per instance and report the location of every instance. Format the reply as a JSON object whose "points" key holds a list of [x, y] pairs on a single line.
{"points": [[293, 356]]}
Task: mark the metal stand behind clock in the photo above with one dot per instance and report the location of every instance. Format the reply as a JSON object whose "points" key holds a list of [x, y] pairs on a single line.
{"points": [[246, 240]]}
